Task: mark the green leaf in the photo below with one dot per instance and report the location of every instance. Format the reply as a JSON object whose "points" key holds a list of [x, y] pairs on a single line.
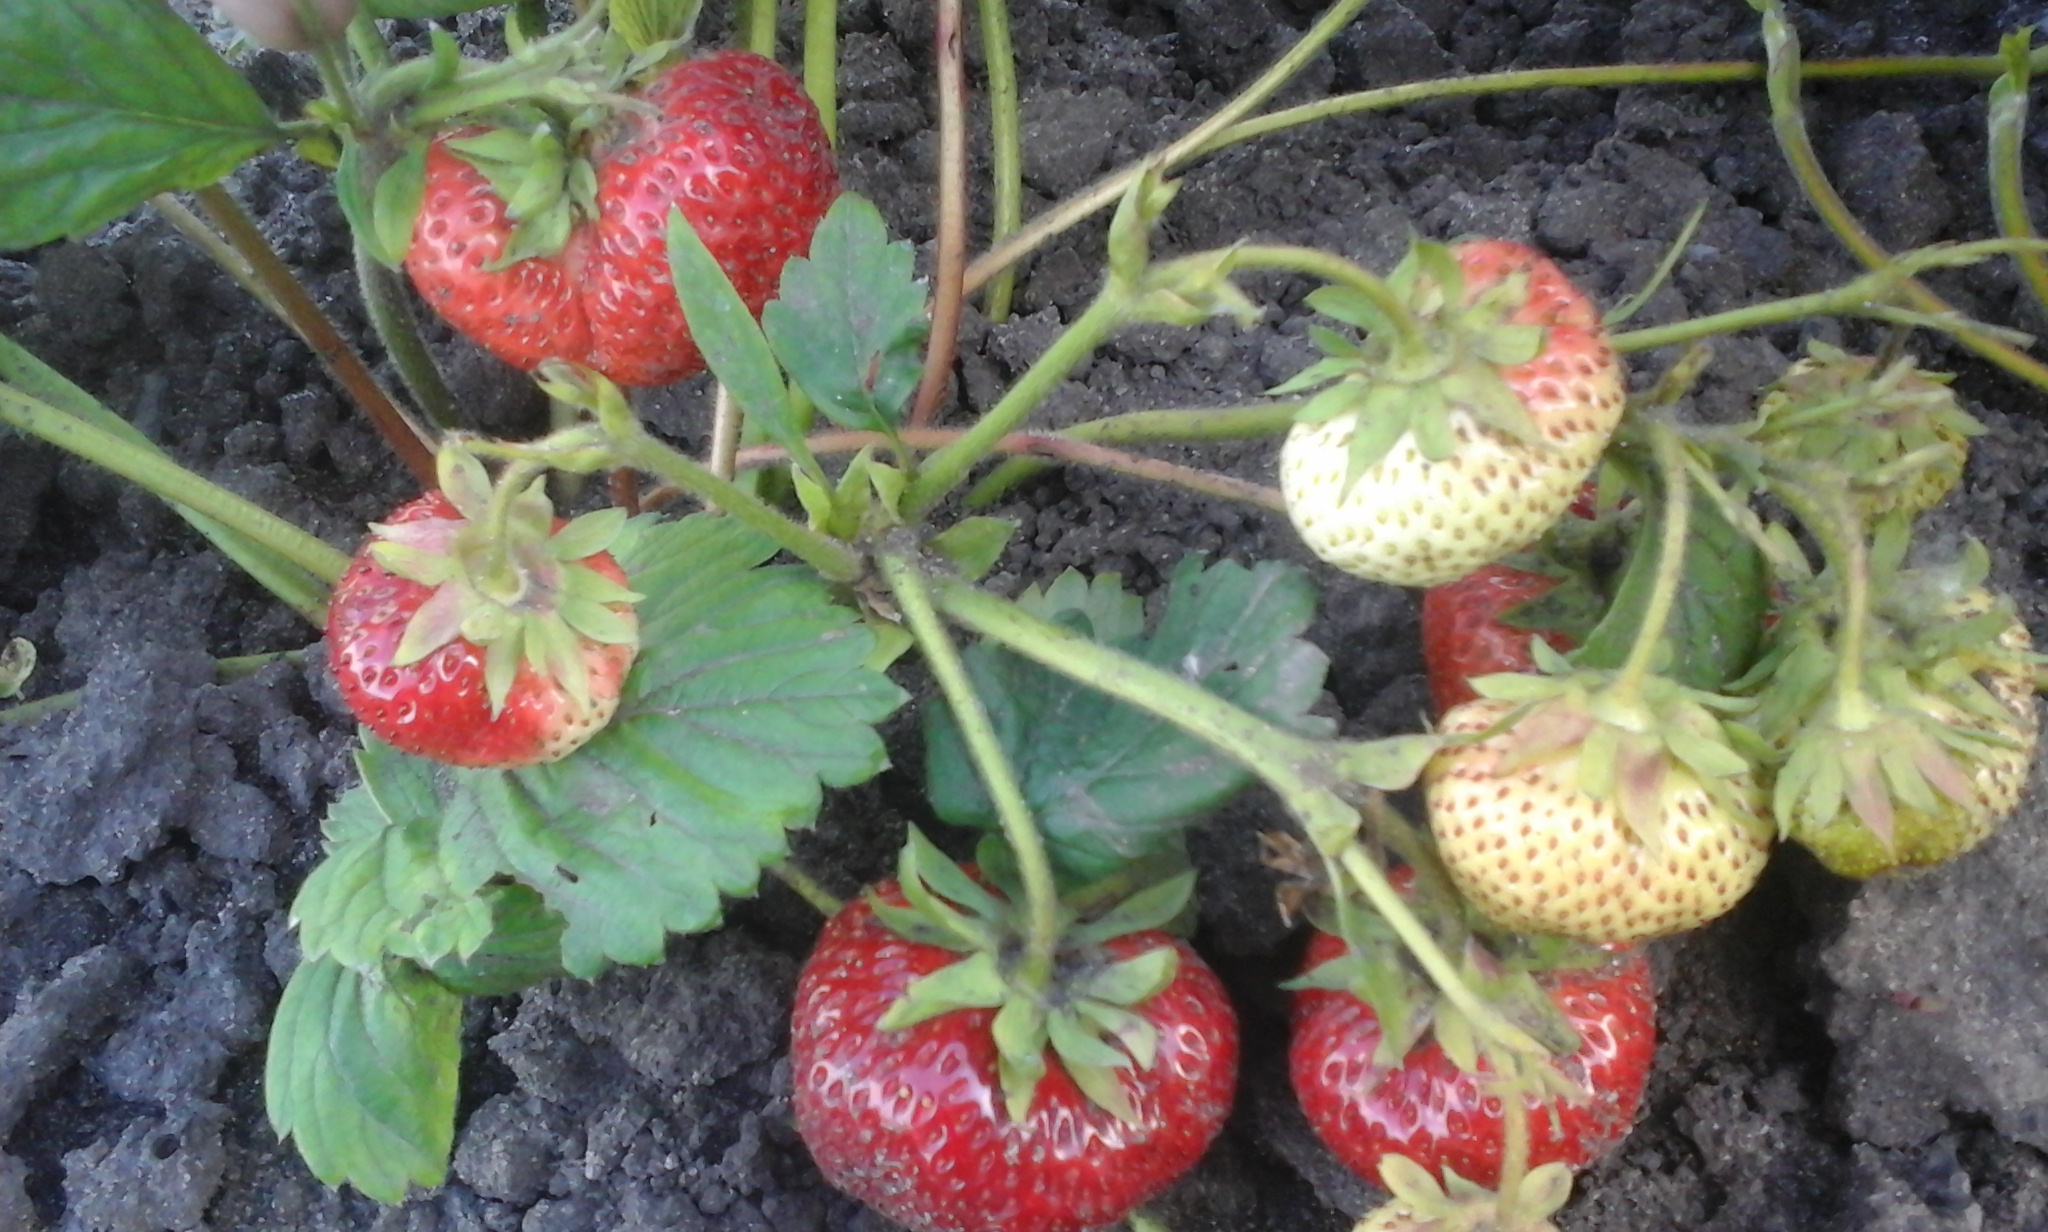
{"points": [[1716, 621], [974, 545], [105, 103], [647, 23], [850, 320], [361, 1074], [524, 947], [1108, 783], [733, 345], [751, 694], [395, 205]]}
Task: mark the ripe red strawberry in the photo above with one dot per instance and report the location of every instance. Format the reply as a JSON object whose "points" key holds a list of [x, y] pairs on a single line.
{"points": [[913, 1122], [737, 146], [458, 647], [1462, 632], [1435, 451], [1427, 1109]]}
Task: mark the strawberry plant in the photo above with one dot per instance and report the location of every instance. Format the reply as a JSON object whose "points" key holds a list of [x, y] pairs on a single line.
{"points": [[584, 735]]}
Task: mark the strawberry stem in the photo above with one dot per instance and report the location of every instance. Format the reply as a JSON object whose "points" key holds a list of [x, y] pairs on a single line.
{"points": [[1041, 893], [806, 887], [1514, 1147], [1006, 147], [821, 62], [945, 470], [1303, 773], [948, 293], [1642, 654], [1781, 51], [1333, 269]]}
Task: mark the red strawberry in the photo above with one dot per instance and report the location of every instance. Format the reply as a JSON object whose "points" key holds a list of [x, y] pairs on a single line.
{"points": [[431, 661], [737, 146], [1435, 1114], [1462, 632], [913, 1121]]}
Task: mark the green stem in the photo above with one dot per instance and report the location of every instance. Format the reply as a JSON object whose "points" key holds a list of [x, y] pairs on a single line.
{"points": [[208, 241], [821, 61], [1034, 866], [166, 479], [760, 27], [1006, 145], [944, 470], [1514, 1146], [305, 318], [1297, 770], [634, 447], [1642, 655], [807, 888], [225, 671], [2007, 132], [398, 328], [1336, 270], [1788, 122], [1107, 191]]}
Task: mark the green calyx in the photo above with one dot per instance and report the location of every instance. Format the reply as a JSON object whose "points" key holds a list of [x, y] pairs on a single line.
{"points": [[1897, 435], [1419, 1203], [1410, 382], [1629, 736], [505, 580], [1086, 1018]]}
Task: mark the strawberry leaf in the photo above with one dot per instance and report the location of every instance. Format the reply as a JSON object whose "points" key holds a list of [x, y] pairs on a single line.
{"points": [[725, 331], [750, 695], [850, 321], [1715, 622], [1108, 783], [85, 137], [361, 1072]]}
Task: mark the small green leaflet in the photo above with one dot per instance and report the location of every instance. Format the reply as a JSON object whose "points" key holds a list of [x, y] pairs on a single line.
{"points": [[750, 695], [725, 331], [105, 103], [361, 1073], [850, 323], [1109, 784]]}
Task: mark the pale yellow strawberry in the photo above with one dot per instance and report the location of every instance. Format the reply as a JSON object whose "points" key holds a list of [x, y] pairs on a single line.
{"points": [[1428, 457], [1536, 853]]}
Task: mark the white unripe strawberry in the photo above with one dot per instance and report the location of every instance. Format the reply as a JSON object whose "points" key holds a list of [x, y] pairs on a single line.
{"points": [[1432, 455]]}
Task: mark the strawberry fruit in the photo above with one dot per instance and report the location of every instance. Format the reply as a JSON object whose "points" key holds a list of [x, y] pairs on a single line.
{"points": [[734, 142], [1466, 630], [479, 649], [1424, 1107], [1447, 442], [922, 1120], [1662, 847]]}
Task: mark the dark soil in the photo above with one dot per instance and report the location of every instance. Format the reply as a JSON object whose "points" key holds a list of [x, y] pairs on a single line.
{"points": [[1835, 1058]]}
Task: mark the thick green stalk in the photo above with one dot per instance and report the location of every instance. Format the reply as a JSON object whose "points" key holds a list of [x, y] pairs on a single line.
{"points": [[146, 467], [1788, 122], [1034, 866], [821, 62], [806, 887], [1336, 270], [1006, 145], [1108, 191], [1642, 655], [1299, 771], [2007, 132], [225, 670], [950, 241], [398, 328], [633, 447], [944, 470], [759, 23]]}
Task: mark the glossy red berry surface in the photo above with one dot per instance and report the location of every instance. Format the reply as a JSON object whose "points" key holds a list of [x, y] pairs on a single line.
{"points": [[1435, 1114], [1463, 635], [438, 706], [912, 1122], [736, 145]]}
